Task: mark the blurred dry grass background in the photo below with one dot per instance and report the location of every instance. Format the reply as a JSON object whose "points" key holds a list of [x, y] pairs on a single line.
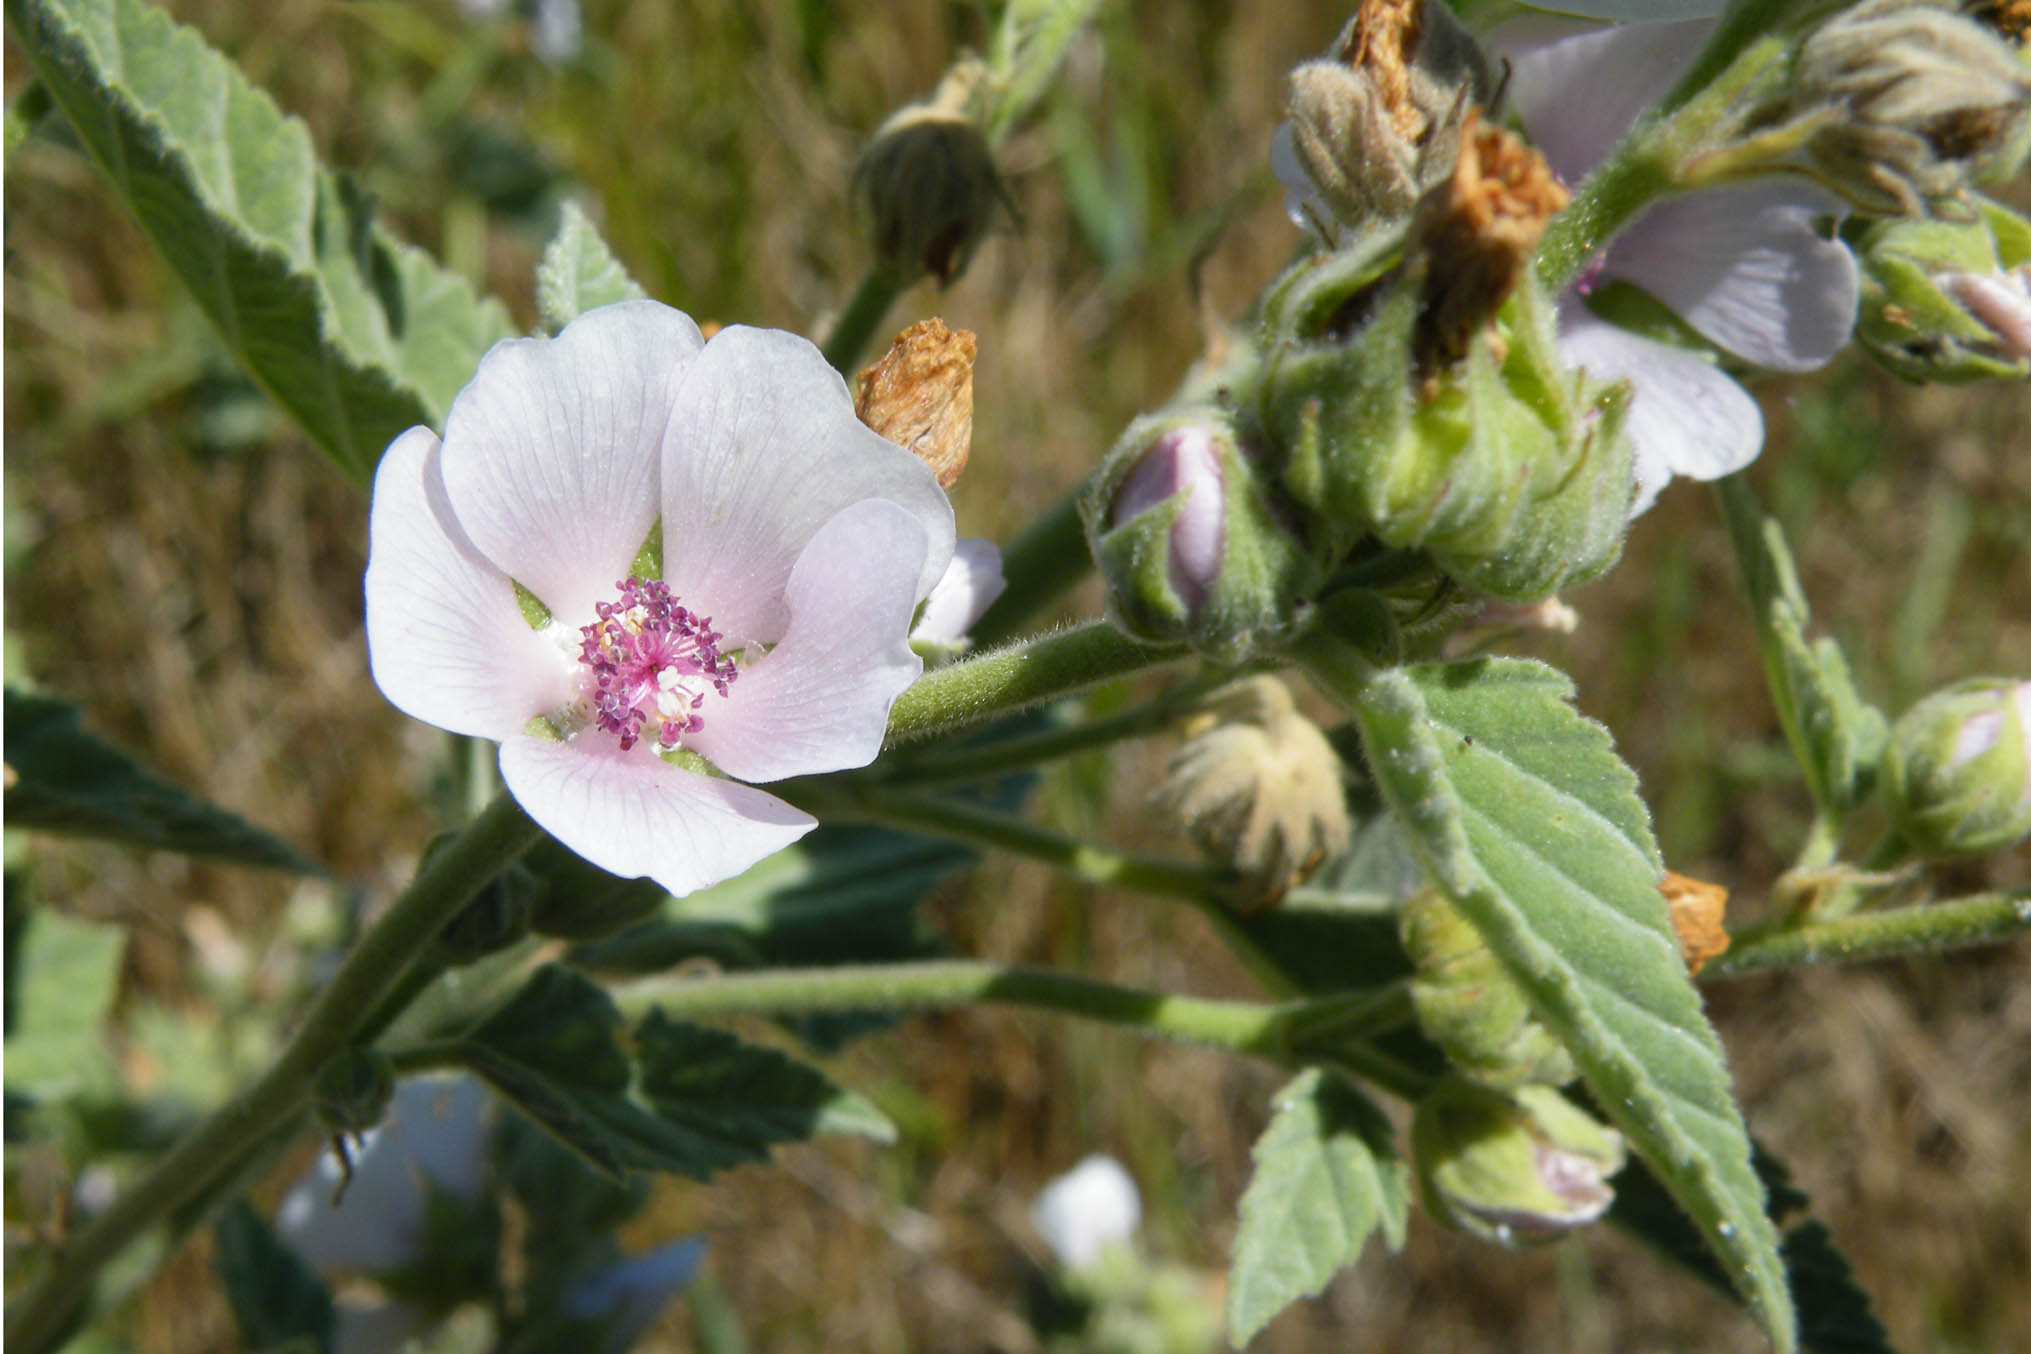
{"points": [[182, 564]]}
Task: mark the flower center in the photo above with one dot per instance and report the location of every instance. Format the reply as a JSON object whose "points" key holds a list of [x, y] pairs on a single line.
{"points": [[652, 662]]}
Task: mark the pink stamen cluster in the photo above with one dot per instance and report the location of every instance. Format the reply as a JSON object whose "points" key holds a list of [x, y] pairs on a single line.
{"points": [[651, 662]]}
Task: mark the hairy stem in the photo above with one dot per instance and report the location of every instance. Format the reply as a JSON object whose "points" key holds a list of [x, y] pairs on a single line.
{"points": [[376, 965], [1979, 919], [1239, 1026], [966, 694]]}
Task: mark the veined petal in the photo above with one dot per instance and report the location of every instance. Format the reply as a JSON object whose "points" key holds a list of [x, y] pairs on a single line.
{"points": [[762, 450], [1686, 416], [635, 815], [1622, 70], [969, 586], [820, 700], [1747, 267], [552, 453], [446, 641]]}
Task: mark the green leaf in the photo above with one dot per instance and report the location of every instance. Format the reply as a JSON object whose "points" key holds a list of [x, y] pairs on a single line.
{"points": [[1835, 1315], [579, 273], [690, 1100], [357, 335], [1529, 822], [1326, 1176], [62, 974], [75, 784], [1837, 737], [276, 1299]]}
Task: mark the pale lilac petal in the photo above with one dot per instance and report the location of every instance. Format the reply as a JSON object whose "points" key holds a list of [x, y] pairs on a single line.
{"points": [[1622, 71], [1686, 417], [552, 453], [1747, 267], [820, 700], [763, 449], [970, 584], [1302, 202], [635, 815], [446, 642]]}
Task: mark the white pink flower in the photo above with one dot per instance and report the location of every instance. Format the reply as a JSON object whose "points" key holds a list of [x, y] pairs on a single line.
{"points": [[1746, 266], [512, 593]]}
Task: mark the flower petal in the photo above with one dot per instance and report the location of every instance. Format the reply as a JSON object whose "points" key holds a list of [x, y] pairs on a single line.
{"points": [[820, 700], [634, 814], [763, 449], [1686, 418], [553, 451], [969, 586], [1616, 71], [1746, 266], [446, 641]]}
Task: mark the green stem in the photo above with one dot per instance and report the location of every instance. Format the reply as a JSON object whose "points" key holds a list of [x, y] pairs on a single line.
{"points": [[1239, 1026], [1040, 565], [1979, 919], [1188, 881], [948, 765], [376, 965], [961, 820], [965, 694], [878, 291]]}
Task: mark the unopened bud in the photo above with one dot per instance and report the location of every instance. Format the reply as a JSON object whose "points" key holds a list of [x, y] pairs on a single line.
{"points": [[1957, 773], [1509, 470], [1377, 120], [1899, 104], [1188, 537], [920, 396], [1469, 1006], [929, 182], [353, 1091], [1259, 789], [1516, 1168], [1949, 300]]}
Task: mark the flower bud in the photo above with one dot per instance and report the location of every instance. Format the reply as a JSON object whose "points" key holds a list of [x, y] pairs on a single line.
{"points": [[1259, 789], [1378, 120], [1899, 104], [1190, 539], [353, 1090], [1415, 389], [1957, 773], [1516, 1168], [929, 183], [1949, 300], [1089, 1209], [1469, 1006]]}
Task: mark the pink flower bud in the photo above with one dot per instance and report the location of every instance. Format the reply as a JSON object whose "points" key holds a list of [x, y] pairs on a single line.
{"points": [[1184, 464]]}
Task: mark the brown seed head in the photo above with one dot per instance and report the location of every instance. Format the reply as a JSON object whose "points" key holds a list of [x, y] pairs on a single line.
{"points": [[920, 396]]}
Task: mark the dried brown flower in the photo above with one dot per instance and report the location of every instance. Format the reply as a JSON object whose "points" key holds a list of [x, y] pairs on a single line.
{"points": [[920, 396]]}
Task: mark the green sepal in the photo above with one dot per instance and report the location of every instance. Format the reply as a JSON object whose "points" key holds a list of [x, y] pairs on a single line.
{"points": [[1910, 320]]}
